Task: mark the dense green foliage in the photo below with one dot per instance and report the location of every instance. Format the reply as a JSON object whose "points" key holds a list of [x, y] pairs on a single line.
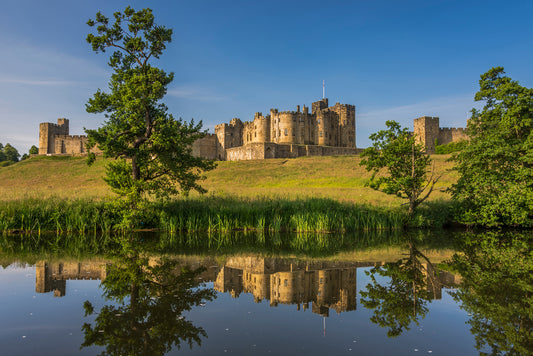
{"points": [[495, 186], [151, 147], [8, 155], [450, 147], [497, 290], [406, 165], [33, 150]]}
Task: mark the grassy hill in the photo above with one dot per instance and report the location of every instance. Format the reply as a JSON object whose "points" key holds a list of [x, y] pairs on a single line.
{"points": [[336, 177]]}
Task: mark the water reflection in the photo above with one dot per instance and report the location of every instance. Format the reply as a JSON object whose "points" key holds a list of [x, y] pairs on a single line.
{"points": [[401, 298], [148, 299], [323, 285], [53, 276], [497, 291], [147, 294]]}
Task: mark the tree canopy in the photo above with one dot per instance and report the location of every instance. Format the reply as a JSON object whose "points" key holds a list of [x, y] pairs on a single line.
{"points": [[401, 163], [9, 153], [495, 185], [33, 150], [152, 149]]}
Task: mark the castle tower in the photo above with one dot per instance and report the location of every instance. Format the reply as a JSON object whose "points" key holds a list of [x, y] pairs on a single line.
{"points": [[48, 133], [319, 105], [261, 128], [426, 130]]}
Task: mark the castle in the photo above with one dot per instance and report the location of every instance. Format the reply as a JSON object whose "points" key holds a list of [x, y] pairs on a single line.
{"points": [[324, 131], [428, 132], [55, 139]]}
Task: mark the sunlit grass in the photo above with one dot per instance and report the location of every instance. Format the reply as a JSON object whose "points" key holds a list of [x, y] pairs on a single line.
{"points": [[337, 177]]}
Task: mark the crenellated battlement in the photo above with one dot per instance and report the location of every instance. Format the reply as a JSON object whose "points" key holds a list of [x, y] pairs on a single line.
{"points": [[55, 139], [332, 129], [428, 132], [451, 129]]}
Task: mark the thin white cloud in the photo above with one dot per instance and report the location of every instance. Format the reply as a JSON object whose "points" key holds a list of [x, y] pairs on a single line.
{"points": [[37, 82], [453, 112], [194, 93], [30, 64]]}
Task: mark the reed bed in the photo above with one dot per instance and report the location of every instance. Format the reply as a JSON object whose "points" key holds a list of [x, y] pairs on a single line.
{"points": [[211, 214]]}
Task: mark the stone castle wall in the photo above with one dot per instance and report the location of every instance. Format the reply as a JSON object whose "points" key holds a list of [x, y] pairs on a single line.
{"points": [[55, 139], [287, 134], [427, 130], [281, 134]]}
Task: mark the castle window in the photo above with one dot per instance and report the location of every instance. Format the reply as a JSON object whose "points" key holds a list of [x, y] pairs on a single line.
{"points": [[294, 118], [255, 134], [320, 133], [344, 122], [293, 133], [319, 121], [286, 283], [286, 132]]}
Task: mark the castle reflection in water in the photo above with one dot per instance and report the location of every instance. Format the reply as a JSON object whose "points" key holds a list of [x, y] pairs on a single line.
{"points": [[323, 285]]}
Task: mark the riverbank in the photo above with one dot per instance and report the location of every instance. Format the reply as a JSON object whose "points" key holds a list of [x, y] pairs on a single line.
{"points": [[211, 213], [309, 194]]}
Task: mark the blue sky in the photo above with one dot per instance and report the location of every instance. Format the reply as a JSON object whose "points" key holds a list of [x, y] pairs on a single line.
{"points": [[394, 60]]}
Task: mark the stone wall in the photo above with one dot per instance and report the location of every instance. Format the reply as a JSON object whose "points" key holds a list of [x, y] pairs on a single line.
{"points": [[427, 130], [205, 147], [55, 139], [284, 134], [265, 150], [451, 134]]}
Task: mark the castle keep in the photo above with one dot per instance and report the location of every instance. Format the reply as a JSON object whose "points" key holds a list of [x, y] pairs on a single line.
{"points": [[284, 134], [55, 139], [428, 131]]}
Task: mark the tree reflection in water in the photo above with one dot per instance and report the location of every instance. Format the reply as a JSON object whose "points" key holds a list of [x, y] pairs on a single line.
{"points": [[400, 299], [149, 297], [497, 291]]}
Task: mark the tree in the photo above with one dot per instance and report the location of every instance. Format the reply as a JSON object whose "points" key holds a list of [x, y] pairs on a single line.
{"points": [[496, 290], [495, 185], [403, 299], [2, 154], [33, 150], [149, 302], [11, 153], [152, 150], [405, 163]]}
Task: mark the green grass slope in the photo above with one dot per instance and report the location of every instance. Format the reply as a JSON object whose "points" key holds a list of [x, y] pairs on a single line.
{"points": [[336, 177]]}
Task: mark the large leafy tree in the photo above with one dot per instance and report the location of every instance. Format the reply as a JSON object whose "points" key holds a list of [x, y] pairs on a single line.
{"points": [[399, 165], [152, 149], [495, 184]]}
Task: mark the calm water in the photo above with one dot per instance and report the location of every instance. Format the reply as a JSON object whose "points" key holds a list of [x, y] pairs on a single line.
{"points": [[351, 303]]}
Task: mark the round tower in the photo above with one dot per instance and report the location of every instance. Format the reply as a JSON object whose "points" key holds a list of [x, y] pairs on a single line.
{"points": [[287, 127]]}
